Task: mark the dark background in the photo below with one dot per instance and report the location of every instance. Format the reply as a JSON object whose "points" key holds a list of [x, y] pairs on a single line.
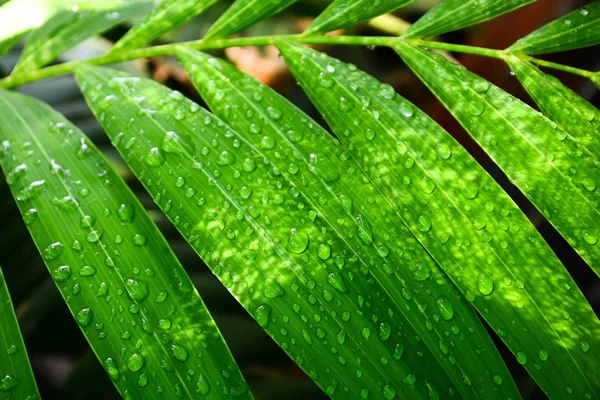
{"points": [[64, 365]]}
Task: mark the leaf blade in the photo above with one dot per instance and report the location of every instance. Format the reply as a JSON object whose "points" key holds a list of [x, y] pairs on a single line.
{"points": [[237, 199], [464, 94], [68, 28], [16, 377], [167, 16], [244, 13], [232, 94], [121, 291], [451, 15], [343, 13], [573, 31]]}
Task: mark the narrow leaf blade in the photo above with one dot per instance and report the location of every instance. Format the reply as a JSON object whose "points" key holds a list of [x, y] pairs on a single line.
{"points": [[16, 377], [132, 299], [244, 13], [248, 106], [268, 244], [451, 15], [575, 117], [70, 27], [168, 15], [533, 154], [344, 13], [575, 30]]}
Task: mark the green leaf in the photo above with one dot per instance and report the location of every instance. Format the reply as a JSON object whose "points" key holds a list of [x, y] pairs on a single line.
{"points": [[17, 17], [271, 247], [249, 106], [579, 120], [71, 27], [345, 13], [132, 299], [581, 28], [167, 16], [244, 13], [451, 15], [16, 377], [546, 165]]}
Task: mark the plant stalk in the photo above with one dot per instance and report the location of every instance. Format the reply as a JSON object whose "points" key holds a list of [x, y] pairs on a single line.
{"points": [[214, 44]]}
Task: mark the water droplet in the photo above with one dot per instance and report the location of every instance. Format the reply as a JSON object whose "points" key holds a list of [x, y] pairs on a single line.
{"points": [[62, 273], [202, 386], [389, 392], [427, 185], [589, 184], [364, 231], [584, 346], [53, 251], [111, 368], [385, 331], [445, 308], [135, 362], [590, 236], [323, 167], [262, 314], [521, 358], [298, 242], [543, 354], [423, 223], [324, 251], [475, 107], [85, 317], [469, 189], [136, 289], [422, 273], [272, 289], [225, 158], [337, 282], [155, 157], [179, 352], [444, 151], [7, 383], [485, 284], [406, 109]]}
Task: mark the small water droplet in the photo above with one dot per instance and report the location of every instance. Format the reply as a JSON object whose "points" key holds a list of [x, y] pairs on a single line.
{"points": [[337, 282], [485, 284]]}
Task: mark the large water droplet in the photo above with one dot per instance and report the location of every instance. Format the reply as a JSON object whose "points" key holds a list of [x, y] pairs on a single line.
{"points": [[423, 223], [485, 284], [262, 315], [590, 236], [179, 352], [337, 282], [135, 362], [85, 317], [155, 157], [445, 308], [323, 167], [272, 289], [136, 289], [364, 230], [298, 242], [225, 158], [385, 331]]}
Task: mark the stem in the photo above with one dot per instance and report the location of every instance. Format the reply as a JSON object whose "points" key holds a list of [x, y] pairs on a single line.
{"points": [[213, 44], [460, 48], [560, 67]]}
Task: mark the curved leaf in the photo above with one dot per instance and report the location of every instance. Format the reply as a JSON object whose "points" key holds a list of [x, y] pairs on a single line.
{"points": [[69, 28], [16, 377], [537, 158], [269, 244], [168, 15], [451, 15], [244, 13], [345, 13], [232, 94], [581, 28], [131, 297]]}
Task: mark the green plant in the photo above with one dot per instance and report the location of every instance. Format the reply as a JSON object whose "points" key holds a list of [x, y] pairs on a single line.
{"points": [[368, 257]]}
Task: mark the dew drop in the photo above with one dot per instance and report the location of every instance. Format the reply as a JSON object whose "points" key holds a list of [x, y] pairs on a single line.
{"points": [[485, 284], [298, 242], [136, 289], [336, 281], [445, 308], [225, 158], [85, 317], [272, 289], [262, 314], [155, 157], [179, 352], [590, 236], [423, 223]]}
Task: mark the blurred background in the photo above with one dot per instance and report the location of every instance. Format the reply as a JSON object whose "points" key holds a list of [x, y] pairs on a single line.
{"points": [[64, 365]]}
